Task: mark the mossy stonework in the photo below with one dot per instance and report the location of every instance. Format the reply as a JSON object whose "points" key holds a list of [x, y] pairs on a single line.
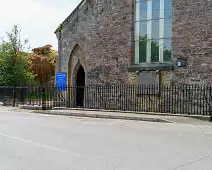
{"points": [[99, 36]]}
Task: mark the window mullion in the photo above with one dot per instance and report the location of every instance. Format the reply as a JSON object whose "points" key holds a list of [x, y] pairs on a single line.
{"points": [[161, 34], [149, 30]]}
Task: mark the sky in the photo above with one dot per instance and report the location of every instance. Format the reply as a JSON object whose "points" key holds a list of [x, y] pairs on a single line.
{"points": [[37, 19]]}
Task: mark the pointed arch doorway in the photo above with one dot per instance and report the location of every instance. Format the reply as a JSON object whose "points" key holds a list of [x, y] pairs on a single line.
{"points": [[80, 83]]}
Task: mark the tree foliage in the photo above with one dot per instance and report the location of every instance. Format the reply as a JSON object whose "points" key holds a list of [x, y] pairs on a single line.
{"points": [[42, 63], [13, 67], [18, 67]]}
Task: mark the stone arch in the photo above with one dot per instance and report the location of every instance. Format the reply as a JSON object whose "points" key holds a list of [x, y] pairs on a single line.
{"points": [[75, 45], [75, 61], [75, 64]]}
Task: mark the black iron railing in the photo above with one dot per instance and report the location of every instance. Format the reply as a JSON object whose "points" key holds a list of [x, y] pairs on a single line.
{"points": [[182, 99]]}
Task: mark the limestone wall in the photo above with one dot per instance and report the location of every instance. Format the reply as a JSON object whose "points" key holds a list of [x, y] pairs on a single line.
{"points": [[104, 31], [192, 40]]}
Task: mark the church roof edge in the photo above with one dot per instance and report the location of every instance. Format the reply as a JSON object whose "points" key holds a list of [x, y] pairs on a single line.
{"points": [[73, 13]]}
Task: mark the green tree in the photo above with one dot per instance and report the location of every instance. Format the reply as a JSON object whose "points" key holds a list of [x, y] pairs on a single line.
{"points": [[13, 67]]}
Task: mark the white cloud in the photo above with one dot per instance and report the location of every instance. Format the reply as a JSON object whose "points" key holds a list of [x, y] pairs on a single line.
{"points": [[38, 19]]}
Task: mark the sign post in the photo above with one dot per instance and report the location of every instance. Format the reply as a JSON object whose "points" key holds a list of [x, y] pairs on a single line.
{"points": [[61, 82]]}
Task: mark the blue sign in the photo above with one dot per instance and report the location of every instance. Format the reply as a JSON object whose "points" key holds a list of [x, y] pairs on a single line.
{"points": [[61, 81]]}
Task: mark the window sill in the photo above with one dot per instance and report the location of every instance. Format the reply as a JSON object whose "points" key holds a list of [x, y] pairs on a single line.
{"points": [[151, 67]]}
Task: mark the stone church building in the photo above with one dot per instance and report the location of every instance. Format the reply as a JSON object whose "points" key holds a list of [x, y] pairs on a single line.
{"points": [[137, 41]]}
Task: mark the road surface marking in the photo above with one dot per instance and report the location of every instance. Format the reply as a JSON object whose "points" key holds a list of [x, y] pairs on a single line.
{"points": [[192, 162], [37, 144]]}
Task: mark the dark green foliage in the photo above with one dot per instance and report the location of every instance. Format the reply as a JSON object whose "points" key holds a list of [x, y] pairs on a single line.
{"points": [[13, 67], [39, 95]]}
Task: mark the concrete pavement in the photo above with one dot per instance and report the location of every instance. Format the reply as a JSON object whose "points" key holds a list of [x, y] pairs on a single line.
{"points": [[124, 115], [127, 116], [47, 142]]}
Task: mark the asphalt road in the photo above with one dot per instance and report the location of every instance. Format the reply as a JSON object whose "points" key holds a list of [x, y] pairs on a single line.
{"points": [[42, 142]]}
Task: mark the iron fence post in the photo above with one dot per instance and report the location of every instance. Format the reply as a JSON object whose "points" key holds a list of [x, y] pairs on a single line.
{"points": [[184, 99], [4, 97], [22, 95], [14, 96], [43, 98]]}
